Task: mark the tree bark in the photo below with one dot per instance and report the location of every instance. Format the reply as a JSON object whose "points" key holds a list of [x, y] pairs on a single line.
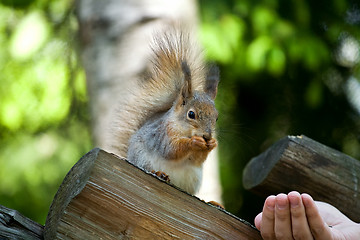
{"points": [[14, 225]]}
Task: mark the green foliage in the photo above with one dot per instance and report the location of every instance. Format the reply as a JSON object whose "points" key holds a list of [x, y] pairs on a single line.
{"points": [[43, 104], [286, 68]]}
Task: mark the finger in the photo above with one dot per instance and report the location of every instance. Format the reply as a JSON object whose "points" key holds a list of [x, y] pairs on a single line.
{"points": [[268, 218], [258, 220], [282, 217], [299, 223], [318, 228]]}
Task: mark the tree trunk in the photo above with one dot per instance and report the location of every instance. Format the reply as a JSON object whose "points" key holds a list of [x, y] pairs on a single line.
{"points": [[105, 197]]}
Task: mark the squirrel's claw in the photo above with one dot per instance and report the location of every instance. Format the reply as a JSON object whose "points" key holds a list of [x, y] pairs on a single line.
{"points": [[161, 175]]}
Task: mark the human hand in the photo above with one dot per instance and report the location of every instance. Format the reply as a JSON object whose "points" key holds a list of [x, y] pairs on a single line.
{"points": [[296, 216]]}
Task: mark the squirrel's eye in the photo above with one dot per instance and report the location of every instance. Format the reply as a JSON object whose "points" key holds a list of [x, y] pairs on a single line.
{"points": [[191, 114]]}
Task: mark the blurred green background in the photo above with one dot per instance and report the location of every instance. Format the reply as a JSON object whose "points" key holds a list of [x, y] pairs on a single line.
{"points": [[288, 67], [44, 119]]}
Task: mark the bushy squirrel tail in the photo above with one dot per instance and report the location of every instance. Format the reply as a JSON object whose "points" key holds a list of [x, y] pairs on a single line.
{"points": [[158, 88]]}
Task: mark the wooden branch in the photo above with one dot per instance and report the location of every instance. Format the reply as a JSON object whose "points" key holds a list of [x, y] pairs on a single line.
{"points": [[14, 225], [104, 197], [302, 164]]}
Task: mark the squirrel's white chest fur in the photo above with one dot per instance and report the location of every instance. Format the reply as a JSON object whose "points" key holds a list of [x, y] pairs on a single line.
{"points": [[181, 172]]}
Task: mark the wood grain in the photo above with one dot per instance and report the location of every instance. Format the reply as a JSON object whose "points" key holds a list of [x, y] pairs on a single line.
{"points": [[113, 199], [302, 164]]}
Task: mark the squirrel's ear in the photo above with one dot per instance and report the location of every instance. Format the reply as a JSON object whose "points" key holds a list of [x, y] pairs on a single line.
{"points": [[186, 90], [212, 81]]}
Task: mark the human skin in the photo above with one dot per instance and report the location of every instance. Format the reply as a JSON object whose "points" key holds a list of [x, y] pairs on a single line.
{"points": [[298, 216]]}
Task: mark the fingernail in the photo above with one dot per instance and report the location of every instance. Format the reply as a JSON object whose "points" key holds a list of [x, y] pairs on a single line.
{"points": [[306, 199], [281, 205], [281, 201], [270, 207], [294, 203], [294, 200], [270, 203]]}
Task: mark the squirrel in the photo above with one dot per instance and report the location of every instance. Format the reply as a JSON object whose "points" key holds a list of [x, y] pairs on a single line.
{"points": [[166, 123]]}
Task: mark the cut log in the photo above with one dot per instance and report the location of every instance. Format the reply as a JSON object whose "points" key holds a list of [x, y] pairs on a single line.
{"points": [[105, 197], [14, 225], [302, 164]]}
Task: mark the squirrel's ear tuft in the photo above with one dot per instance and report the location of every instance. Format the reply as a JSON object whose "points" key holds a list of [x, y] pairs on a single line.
{"points": [[212, 81], [186, 90]]}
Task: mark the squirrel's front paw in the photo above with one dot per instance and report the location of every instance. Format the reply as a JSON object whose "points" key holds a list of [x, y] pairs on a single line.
{"points": [[161, 175], [211, 144], [216, 204], [198, 143]]}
